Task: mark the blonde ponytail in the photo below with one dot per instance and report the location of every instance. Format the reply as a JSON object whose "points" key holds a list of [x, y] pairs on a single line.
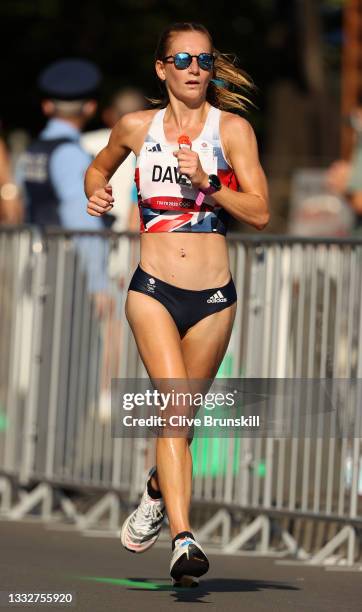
{"points": [[228, 79]]}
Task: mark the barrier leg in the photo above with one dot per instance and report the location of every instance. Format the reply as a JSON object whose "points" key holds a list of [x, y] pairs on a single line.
{"points": [[5, 492], [109, 502], [292, 546], [222, 517], [42, 493], [347, 533], [261, 523]]}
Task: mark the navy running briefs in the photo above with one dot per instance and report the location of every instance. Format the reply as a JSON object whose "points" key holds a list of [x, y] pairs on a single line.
{"points": [[186, 306]]}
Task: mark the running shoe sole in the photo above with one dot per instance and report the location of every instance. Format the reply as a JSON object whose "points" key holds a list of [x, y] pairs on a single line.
{"points": [[186, 581], [189, 567]]}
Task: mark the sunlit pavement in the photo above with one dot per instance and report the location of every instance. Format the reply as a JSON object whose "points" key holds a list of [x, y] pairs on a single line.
{"points": [[103, 576]]}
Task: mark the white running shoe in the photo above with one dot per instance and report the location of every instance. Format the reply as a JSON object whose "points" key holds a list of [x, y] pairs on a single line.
{"points": [[188, 562], [142, 528]]}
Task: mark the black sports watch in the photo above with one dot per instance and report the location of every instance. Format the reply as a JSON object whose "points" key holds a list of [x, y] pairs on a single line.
{"points": [[214, 184]]}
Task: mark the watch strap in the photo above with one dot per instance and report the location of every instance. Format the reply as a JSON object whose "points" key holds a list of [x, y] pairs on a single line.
{"points": [[204, 192], [200, 198]]}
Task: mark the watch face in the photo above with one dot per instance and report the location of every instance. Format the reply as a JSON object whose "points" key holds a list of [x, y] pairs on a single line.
{"points": [[214, 181]]}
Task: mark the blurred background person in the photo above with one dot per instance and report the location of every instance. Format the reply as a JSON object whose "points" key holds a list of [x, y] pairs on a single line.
{"points": [[11, 205], [53, 165], [344, 177], [52, 168], [125, 211]]}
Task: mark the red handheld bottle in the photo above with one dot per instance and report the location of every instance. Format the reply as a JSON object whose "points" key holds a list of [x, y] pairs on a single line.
{"points": [[184, 142]]}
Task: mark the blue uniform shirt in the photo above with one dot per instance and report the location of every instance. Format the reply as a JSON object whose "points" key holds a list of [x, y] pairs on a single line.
{"points": [[67, 167]]}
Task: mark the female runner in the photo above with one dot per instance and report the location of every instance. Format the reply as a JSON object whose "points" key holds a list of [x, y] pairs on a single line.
{"points": [[181, 301]]}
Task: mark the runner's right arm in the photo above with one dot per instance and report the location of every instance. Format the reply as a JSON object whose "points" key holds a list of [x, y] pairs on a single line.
{"points": [[102, 168]]}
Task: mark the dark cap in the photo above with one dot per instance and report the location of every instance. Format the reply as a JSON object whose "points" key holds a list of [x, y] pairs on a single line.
{"points": [[70, 79]]}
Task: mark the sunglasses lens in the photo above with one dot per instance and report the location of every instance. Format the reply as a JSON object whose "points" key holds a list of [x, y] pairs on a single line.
{"points": [[206, 61], [182, 60]]}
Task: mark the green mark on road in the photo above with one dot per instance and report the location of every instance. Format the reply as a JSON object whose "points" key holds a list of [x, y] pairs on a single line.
{"points": [[138, 584]]}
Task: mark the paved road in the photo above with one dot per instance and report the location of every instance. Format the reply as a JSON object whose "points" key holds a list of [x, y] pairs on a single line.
{"points": [[105, 577]]}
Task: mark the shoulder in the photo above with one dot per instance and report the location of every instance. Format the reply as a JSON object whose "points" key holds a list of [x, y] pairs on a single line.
{"points": [[131, 122], [233, 126], [131, 129], [238, 137]]}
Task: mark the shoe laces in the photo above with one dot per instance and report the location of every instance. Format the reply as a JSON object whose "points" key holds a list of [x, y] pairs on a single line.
{"points": [[148, 513]]}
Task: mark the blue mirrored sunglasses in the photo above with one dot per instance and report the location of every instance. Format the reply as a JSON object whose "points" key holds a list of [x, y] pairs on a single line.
{"points": [[183, 60]]}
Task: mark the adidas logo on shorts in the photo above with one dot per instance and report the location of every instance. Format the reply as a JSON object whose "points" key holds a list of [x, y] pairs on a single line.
{"points": [[217, 297]]}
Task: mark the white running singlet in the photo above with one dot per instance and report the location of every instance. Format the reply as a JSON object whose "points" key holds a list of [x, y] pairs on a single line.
{"points": [[166, 199]]}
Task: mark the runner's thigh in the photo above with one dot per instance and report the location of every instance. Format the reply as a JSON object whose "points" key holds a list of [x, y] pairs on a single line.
{"points": [[156, 335], [205, 343]]}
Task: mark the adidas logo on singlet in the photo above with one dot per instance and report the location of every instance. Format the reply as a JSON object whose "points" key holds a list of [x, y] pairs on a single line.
{"points": [[217, 297], [155, 149]]}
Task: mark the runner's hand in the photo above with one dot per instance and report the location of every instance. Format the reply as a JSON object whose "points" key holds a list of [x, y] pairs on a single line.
{"points": [[101, 201], [190, 165]]}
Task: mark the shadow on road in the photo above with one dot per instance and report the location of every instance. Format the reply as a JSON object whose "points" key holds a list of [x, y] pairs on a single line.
{"points": [[206, 587]]}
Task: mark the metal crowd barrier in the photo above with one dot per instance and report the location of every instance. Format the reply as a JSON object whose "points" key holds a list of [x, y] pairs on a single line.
{"points": [[64, 335]]}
